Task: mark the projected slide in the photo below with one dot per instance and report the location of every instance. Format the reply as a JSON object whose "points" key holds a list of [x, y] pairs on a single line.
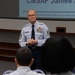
{"points": [[48, 9]]}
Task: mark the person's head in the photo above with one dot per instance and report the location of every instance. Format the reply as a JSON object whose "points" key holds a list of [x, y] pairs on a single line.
{"points": [[32, 16], [58, 56], [24, 57]]}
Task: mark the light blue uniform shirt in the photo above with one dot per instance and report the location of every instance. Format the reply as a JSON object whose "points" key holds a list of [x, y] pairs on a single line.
{"points": [[24, 70], [41, 33]]}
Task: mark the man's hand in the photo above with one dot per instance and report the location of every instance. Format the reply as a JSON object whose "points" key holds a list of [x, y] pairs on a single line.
{"points": [[32, 42]]}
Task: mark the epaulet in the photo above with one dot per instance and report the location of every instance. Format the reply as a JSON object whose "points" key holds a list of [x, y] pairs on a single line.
{"points": [[26, 25], [41, 23]]}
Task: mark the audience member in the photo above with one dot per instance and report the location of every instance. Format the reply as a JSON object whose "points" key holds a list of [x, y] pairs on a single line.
{"points": [[58, 57], [24, 61]]}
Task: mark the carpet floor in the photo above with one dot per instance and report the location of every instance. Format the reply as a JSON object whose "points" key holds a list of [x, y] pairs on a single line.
{"points": [[5, 65]]}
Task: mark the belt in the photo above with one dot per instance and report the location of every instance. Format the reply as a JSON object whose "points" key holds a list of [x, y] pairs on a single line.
{"points": [[32, 46]]}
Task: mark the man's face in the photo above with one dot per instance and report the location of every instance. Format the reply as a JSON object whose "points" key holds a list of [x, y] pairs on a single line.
{"points": [[32, 16]]}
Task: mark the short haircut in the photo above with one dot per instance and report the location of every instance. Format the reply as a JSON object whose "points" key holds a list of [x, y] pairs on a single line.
{"points": [[24, 56], [58, 55], [31, 10]]}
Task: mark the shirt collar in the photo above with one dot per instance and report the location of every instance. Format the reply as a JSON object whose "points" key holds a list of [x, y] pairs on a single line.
{"points": [[34, 23], [23, 67]]}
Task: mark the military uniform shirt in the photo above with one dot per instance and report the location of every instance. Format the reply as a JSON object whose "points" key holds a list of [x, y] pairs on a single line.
{"points": [[24, 70], [41, 33]]}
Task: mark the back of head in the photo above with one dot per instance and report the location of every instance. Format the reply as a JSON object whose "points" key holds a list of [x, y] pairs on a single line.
{"points": [[24, 56], [58, 55]]}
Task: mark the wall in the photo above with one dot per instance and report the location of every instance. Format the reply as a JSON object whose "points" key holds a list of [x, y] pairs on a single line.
{"points": [[17, 24]]}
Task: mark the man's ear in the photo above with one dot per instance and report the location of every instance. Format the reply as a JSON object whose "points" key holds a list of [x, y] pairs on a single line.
{"points": [[31, 62], [16, 62]]}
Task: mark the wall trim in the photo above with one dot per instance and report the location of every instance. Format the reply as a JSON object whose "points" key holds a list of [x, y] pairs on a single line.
{"points": [[61, 33], [10, 30]]}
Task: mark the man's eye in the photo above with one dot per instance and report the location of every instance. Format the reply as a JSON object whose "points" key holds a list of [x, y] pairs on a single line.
{"points": [[31, 15]]}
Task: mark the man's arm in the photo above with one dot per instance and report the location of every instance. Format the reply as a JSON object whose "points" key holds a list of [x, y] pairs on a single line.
{"points": [[22, 39]]}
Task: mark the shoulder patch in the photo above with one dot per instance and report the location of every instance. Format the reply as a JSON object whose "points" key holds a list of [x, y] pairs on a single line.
{"points": [[48, 33], [20, 36]]}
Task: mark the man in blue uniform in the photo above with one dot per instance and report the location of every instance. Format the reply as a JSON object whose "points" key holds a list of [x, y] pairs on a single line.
{"points": [[33, 35]]}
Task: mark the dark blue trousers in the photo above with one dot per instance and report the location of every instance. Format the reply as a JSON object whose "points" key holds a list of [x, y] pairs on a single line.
{"points": [[36, 51]]}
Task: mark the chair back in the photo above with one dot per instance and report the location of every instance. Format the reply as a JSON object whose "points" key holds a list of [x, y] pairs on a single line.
{"points": [[39, 71], [7, 72]]}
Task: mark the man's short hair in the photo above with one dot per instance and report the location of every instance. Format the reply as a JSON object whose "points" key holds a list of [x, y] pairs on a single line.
{"points": [[58, 55], [24, 56]]}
